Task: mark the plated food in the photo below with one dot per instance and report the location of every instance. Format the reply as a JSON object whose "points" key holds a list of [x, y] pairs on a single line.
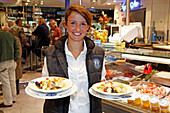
{"points": [[50, 84], [112, 88]]}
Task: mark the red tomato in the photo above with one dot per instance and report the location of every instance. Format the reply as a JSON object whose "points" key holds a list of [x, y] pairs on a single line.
{"points": [[105, 90], [41, 82], [47, 78], [109, 72]]}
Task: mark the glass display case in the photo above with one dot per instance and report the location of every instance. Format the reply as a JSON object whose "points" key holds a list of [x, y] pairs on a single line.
{"points": [[146, 55]]}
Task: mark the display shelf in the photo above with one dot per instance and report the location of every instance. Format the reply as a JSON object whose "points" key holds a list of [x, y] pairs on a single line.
{"points": [[147, 55]]}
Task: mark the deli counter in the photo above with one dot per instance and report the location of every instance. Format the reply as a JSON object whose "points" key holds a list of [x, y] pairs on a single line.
{"points": [[121, 64]]}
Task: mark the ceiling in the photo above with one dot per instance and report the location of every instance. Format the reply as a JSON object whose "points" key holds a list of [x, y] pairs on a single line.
{"points": [[100, 4]]}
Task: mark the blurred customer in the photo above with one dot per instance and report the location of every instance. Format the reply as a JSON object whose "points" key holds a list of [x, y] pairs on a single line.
{"points": [[5, 28], [42, 33], [61, 26], [18, 70], [17, 30], [33, 27], [8, 55], [55, 31], [27, 30], [10, 23]]}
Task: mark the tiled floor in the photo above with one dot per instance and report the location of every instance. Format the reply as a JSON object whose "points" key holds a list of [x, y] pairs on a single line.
{"points": [[25, 103]]}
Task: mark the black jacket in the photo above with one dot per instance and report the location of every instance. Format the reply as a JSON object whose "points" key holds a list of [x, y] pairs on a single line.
{"points": [[42, 32], [57, 66]]}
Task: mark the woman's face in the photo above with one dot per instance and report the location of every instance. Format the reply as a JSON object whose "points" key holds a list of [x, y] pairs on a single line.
{"points": [[76, 26], [52, 24]]}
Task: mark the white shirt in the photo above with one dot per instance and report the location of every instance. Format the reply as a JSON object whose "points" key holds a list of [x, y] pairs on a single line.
{"points": [[79, 101]]}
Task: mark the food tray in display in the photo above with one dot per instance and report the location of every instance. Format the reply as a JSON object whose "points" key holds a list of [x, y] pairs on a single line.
{"points": [[129, 89], [58, 95], [68, 84], [144, 87], [110, 97]]}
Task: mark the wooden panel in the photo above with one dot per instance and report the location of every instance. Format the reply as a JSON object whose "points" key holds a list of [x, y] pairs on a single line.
{"points": [[160, 80]]}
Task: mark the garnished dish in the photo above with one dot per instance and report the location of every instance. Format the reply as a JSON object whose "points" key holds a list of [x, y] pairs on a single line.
{"points": [[152, 89], [112, 88], [51, 83]]}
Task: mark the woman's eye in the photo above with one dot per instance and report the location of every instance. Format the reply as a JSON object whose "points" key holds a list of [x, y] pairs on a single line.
{"points": [[72, 23], [83, 24]]}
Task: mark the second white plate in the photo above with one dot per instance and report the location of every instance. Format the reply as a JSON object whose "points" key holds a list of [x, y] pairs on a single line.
{"points": [[129, 89], [109, 97]]}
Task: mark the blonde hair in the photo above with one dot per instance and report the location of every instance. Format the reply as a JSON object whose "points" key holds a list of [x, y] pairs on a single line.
{"points": [[42, 21]]}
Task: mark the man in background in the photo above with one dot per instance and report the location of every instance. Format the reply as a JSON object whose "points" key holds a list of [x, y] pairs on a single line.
{"points": [[9, 53], [18, 31]]}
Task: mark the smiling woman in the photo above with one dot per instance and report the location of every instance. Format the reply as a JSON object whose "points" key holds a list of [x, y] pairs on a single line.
{"points": [[76, 57]]}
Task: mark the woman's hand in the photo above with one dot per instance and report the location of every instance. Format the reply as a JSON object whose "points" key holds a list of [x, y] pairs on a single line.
{"points": [[56, 38]]}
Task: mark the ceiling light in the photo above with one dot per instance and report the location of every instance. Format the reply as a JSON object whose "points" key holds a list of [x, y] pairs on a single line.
{"points": [[28, 0], [108, 3], [92, 7], [41, 3], [94, 0], [26, 3], [114, 0]]}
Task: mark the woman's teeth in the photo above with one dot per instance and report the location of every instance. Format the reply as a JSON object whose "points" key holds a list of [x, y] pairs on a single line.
{"points": [[77, 34]]}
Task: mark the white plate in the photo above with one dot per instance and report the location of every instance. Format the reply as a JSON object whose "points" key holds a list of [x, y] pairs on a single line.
{"points": [[129, 89], [108, 97], [68, 83], [58, 95]]}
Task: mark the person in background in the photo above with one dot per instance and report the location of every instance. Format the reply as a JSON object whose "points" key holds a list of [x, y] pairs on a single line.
{"points": [[75, 57], [5, 28], [55, 31], [10, 23], [18, 31], [18, 70], [33, 27], [42, 33], [61, 26], [9, 53]]}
